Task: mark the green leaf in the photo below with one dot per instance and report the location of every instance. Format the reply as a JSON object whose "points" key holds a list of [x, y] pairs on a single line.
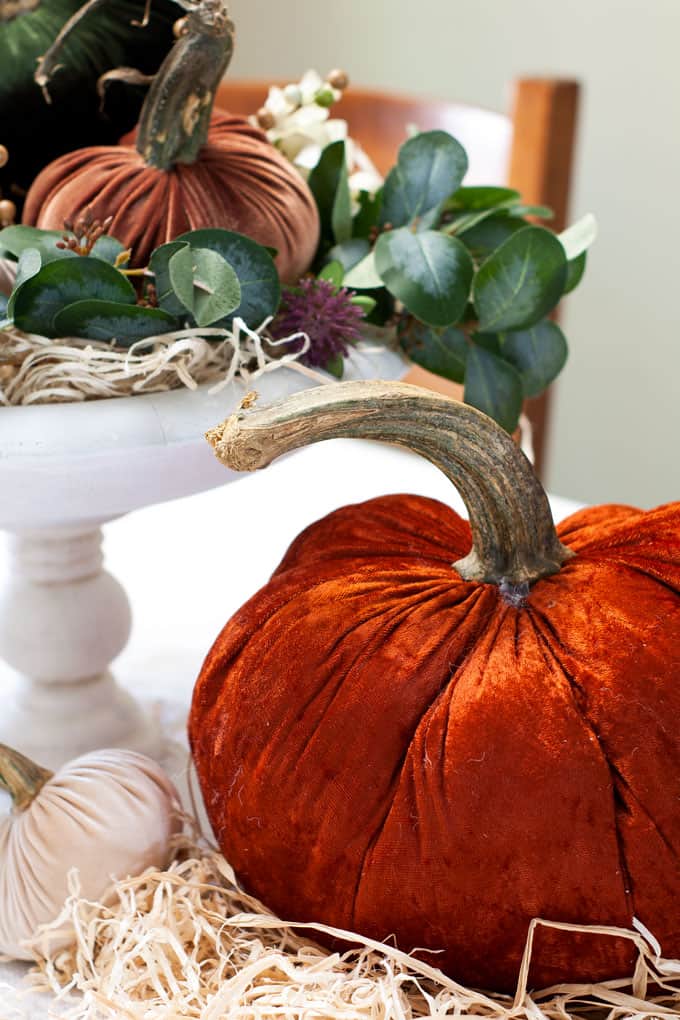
{"points": [[254, 268], [329, 184], [575, 270], [341, 216], [159, 265], [364, 302], [430, 167], [464, 222], [539, 355], [369, 213], [472, 199], [333, 272], [336, 366], [490, 234], [543, 212], [575, 239], [493, 386], [205, 283], [62, 282], [364, 275], [181, 275], [429, 272], [521, 281], [30, 264], [18, 238], [110, 321], [107, 248], [443, 352], [350, 253]]}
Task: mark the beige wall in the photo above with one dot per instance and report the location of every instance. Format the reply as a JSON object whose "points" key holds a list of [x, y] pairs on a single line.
{"points": [[617, 414]]}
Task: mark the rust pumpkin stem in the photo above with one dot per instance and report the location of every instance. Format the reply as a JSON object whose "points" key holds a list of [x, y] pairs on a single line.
{"points": [[514, 537]]}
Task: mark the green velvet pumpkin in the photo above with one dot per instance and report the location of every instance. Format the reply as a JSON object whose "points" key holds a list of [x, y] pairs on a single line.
{"points": [[35, 131]]}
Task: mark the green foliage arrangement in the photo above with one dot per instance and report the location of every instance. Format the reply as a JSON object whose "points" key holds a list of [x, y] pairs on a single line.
{"points": [[462, 276], [468, 279], [77, 285]]}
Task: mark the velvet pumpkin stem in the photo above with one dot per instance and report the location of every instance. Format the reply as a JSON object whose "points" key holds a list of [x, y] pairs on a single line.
{"points": [[175, 118], [21, 777], [514, 537]]}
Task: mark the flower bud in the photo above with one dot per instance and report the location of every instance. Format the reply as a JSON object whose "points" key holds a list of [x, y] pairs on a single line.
{"points": [[265, 118], [293, 95], [325, 96], [338, 79], [8, 211]]}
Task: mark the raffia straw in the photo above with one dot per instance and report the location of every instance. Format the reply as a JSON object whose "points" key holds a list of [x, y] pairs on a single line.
{"points": [[37, 370], [189, 944]]}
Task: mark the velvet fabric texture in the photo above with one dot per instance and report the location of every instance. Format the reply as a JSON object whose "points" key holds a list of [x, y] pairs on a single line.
{"points": [[387, 748], [239, 182]]}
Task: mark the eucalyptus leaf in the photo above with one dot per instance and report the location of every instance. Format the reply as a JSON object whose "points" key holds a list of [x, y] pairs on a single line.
{"points": [[63, 282], [441, 351], [491, 233], [471, 199], [466, 221], [521, 281], [368, 215], [110, 321], [539, 355], [159, 265], [364, 302], [18, 238], [181, 276], [542, 212], [364, 275], [429, 272], [333, 272], [329, 184], [350, 253], [254, 268], [430, 167], [29, 265], [575, 239], [205, 283], [108, 248], [336, 366], [575, 270], [493, 386]]}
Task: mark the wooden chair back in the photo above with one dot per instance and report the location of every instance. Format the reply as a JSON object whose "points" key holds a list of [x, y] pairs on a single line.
{"points": [[530, 150]]}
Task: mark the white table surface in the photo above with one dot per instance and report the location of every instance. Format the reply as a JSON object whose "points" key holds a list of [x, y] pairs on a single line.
{"points": [[188, 565]]}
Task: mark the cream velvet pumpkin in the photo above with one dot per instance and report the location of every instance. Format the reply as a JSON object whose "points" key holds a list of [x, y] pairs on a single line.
{"points": [[108, 814]]}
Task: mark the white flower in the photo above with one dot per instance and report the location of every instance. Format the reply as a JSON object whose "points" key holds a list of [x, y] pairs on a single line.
{"points": [[303, 128]]}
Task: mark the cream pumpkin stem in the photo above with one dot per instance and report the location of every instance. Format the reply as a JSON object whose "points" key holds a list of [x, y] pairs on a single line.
{"points": [[175, 117], [21, 777], [514, 537]]}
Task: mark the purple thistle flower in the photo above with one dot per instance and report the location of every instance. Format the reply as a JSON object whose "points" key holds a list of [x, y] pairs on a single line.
{"points": [[325, 313]]}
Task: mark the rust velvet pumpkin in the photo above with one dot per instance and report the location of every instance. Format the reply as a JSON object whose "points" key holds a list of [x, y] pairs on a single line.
{"points": [[401, 737], [189, 167]]}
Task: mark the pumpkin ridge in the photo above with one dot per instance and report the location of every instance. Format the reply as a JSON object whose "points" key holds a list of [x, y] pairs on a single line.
{"points": [[447, 686], [637, 568], [397, 615], [579, 699]]}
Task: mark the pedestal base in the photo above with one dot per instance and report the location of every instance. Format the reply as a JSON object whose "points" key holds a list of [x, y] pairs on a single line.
{"points": [[54, 723]]}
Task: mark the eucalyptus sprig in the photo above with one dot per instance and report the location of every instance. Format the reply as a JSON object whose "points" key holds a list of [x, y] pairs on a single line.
{"points": [[76, 284], [469, 280]]}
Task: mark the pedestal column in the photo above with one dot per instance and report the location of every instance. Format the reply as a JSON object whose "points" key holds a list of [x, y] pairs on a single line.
{"points": [[63, 619]]}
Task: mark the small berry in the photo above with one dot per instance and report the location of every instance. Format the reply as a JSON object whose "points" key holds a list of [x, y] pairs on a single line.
{"points": [[265, 118], [338, 79]]}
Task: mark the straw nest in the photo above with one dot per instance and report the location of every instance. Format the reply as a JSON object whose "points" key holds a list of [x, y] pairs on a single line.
{"points": [[189, 944]]}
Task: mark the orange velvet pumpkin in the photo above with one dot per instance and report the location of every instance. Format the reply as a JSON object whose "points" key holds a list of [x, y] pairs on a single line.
{"points": [[387, 746], [189, 168]]}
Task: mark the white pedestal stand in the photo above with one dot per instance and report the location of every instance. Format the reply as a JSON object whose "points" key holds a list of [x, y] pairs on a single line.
{"points": [[64, 470], [63, 619]]}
